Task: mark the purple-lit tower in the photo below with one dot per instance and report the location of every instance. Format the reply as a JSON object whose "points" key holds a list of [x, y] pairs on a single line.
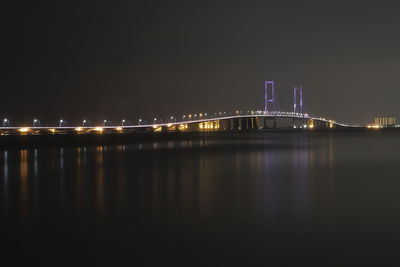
{"points": [[270, 96], [298, 99]]}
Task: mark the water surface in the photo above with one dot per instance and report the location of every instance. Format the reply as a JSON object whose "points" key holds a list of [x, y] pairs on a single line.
{"points": [[277, 199]]}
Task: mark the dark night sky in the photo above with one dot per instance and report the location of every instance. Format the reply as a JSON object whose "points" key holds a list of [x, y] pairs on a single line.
{"points": [[114, 59]]}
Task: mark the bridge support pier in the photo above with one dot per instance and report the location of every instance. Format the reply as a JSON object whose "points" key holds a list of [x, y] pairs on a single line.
{"points": [[270, 123], [236, 124], [244, 124]]}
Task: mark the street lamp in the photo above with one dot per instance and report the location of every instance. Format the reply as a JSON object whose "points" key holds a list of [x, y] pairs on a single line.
{"points": [[140, 121], [61, 123], [123, 122], [173, 119], [155, 119], [104, 122], [36, 123], [6, 123]]}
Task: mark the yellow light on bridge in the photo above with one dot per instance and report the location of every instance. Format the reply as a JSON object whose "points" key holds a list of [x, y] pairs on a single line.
{"points": [[79, 129], [24, 130], [119, 129], [98, 129], [52, 130], [374, 126]]}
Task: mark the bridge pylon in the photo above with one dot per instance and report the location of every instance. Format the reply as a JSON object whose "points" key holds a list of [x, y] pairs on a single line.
{"points": [[298, 99], [270, 102]]}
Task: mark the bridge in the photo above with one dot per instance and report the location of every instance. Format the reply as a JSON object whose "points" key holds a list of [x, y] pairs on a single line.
{"points": [[269, 118], [255, 120]]}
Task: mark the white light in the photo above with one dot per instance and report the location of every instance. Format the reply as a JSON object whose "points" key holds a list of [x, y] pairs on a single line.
{"points": [[61, 120], [304, 126]]}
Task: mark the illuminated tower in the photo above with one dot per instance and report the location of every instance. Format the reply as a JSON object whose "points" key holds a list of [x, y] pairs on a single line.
{"points": [[270, 105], [298, 99]]}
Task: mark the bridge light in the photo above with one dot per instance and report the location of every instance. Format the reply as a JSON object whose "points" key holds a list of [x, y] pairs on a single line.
{"points": [[119, 129], [98, 129], [24, 130], [79, 129]]}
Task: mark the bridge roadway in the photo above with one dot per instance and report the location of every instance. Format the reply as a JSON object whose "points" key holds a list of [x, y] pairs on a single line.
{"points": [[258, 120]]}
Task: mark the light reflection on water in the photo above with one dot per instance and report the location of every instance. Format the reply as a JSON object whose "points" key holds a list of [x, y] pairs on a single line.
{"points": [[259, 189]]}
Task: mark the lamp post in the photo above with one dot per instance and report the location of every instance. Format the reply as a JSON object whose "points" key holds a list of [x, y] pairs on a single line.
{"points": [[140, 122], [36, 123]]}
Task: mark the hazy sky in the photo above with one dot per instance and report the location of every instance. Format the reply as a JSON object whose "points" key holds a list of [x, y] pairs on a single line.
{"points": [[114, 59]]}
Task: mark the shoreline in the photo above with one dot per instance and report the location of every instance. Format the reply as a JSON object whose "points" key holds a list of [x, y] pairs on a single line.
{"points": [[96, 139]]}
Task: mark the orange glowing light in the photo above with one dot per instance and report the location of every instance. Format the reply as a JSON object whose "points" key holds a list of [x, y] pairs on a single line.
{"points": [[24, 129]]}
